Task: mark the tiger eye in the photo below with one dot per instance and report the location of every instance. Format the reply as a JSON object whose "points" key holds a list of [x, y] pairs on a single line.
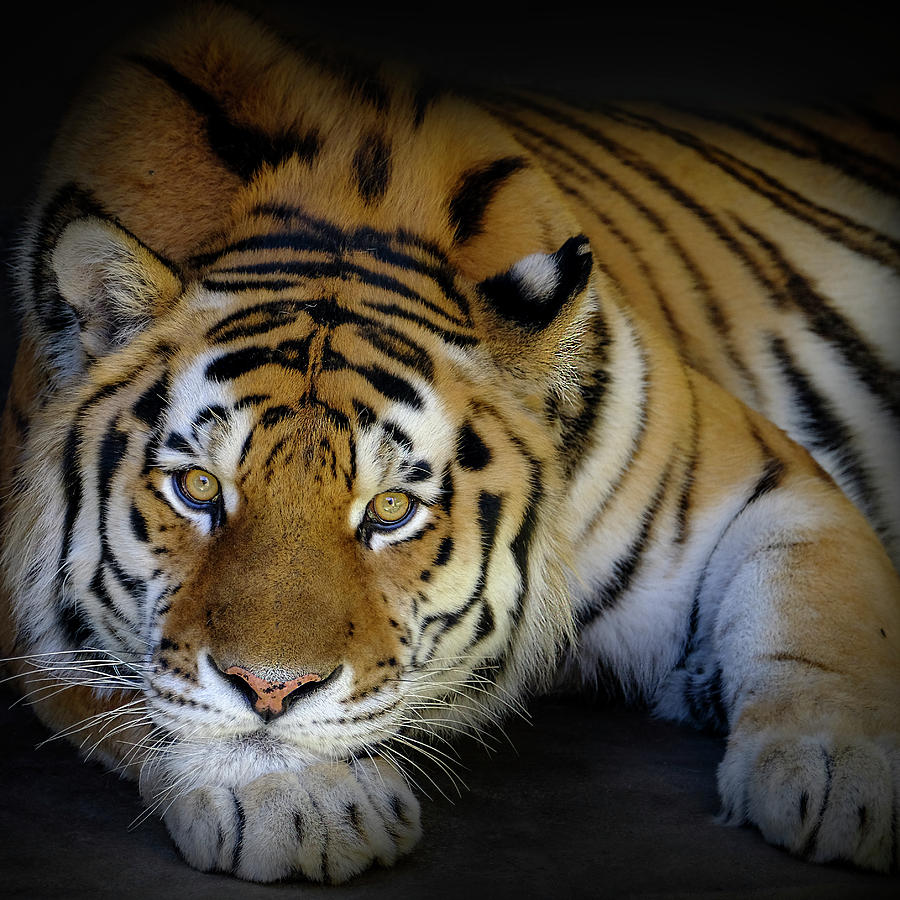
{"points": [[390, 507], [199, 485]]}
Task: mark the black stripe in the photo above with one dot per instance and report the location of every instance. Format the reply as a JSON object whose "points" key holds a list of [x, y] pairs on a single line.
{"points": [[260, 318], [335, 417], [393, 387], [398, 435], [275, 415], [490, 508], [772, 473], [474, 193], [339, 269], [238, 285], [577, 433], [640, 421], [152, 403], [689, 477], [340, 240], [111, 453], [521, 543], [398, 347], [445, 501], [451, 337], [242, 148], [379, 245], [821, 429], [812, 840], [178, 443], [245, 449], [71, 476], [138, 525], [608, 594], [372, 167], [276, 449], [207, 414], [365, 415], [827, 323], [75, 626], [251, 400], [484, 627], [418, 471], [471, 451], [292, 355], [814, 145], [238, 832], [445, 551], [828, 222]]}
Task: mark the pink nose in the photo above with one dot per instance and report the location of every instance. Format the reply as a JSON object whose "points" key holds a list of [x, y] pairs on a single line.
{"points": [[270, 696]]}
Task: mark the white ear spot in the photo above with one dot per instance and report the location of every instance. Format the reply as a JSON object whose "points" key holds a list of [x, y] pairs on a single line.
{"points": [[537, 276]]}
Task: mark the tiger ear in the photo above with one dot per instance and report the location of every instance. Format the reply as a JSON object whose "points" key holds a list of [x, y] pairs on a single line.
{"points": [[535, 309], [533, 292], [112, 285]]}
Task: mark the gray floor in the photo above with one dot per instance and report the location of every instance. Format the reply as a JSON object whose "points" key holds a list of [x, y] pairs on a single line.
{"points": [[592, 802], [587, 802]]}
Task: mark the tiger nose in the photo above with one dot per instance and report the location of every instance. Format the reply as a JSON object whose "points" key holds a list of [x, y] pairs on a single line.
{"points": [[270, 699]]}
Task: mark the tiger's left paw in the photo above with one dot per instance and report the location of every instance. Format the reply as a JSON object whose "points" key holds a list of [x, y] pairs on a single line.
{"points": [[820, 797], [327, 822]]}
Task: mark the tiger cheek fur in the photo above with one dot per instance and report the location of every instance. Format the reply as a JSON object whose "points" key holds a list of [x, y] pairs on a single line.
{"points": [[345, 417]]}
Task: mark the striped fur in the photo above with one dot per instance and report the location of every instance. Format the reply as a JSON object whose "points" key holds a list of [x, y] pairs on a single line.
{"points": [[636, 368]]}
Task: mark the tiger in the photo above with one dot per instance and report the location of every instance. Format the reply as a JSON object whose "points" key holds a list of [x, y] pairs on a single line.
{"points": [[351, 411]]}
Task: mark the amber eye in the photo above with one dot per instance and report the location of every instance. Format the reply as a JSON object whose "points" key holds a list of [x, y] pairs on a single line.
{"points": [[197, 487], [390, 509]]}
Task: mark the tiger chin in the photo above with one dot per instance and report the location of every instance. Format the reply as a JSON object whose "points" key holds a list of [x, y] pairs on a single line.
{"points": [[349, 412]]}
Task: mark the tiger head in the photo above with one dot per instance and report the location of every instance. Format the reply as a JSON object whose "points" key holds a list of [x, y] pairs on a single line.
{"points": [[303, 490]]}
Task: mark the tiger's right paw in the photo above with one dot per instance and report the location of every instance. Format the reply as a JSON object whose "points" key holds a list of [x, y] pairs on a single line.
{"points": [[328, 822], [820, 797]]}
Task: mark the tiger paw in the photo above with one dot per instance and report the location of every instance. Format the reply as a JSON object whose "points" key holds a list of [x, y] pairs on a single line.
{"points": [[822, 798], [327, 823]]}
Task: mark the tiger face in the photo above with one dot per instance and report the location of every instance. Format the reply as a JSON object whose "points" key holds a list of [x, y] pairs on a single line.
{"points": [[310, 531]]}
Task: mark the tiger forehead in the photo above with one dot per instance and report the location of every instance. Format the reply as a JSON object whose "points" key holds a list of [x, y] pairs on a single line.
{"points": [[302, 399]]}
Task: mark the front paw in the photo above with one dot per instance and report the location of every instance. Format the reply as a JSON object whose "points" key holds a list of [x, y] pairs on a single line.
{"points": [[820, 797], [329, 822]]}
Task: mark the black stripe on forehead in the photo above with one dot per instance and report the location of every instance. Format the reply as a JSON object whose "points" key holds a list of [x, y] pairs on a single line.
{"points": [[287, 274], [391, 386], [256, 319], [292, 355], [327, 313], [340, 239], [241, 148], [386, 247]]}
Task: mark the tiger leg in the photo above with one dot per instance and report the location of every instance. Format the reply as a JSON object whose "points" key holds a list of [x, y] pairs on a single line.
{"points": [[808, 628]]}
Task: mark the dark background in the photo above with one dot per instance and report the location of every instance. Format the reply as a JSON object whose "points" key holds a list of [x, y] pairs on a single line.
{"points": [[593, 801]]}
